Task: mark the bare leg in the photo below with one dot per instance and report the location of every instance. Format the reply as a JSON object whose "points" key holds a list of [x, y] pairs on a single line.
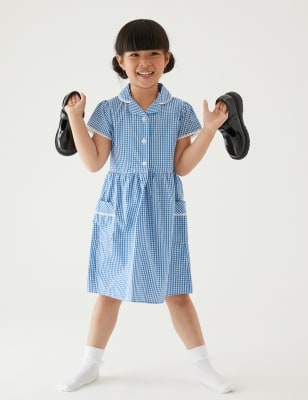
{"points": [[185, 320], [104, 318], [103, 321], [186, 323]]}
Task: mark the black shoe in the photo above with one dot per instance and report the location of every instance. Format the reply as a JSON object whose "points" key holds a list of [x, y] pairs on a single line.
{"points": [[64, 140], [234, 131]]}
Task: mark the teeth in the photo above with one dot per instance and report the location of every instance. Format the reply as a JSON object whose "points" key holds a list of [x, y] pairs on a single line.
{"points": [[144, 73]]}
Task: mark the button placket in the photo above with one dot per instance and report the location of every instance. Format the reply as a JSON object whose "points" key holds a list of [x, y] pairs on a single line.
{"points": [[143, 140]]}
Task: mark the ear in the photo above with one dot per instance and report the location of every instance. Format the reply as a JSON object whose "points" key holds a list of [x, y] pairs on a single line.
{"points": [[120, 61], [167, 58]]}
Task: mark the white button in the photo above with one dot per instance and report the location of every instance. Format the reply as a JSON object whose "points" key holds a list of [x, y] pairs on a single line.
{"points": [[144, 118], [144, 163], [143, 141]]}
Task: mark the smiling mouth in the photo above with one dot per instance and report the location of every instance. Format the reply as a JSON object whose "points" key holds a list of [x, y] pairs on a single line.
{"points": [[145, 73]]}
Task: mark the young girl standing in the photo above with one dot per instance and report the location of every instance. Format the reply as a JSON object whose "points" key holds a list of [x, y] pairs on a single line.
{"points": [[139, 248]]}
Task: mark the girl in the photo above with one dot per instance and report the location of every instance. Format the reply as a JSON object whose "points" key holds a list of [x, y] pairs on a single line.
{"points": [[139, 248]]}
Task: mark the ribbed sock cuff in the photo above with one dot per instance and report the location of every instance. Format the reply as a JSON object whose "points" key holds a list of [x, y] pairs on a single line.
{"points": [[93, 355], [198, 353]]}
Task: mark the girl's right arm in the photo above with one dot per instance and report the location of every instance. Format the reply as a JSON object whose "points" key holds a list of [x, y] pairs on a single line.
{"points": [[94, 151]]}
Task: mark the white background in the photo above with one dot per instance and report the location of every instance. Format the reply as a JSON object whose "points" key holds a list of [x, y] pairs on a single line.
{"points": [[247, 219]]}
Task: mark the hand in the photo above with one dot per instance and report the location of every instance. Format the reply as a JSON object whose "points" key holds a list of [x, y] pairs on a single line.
{"points": [[76, 105], [214, 119]]}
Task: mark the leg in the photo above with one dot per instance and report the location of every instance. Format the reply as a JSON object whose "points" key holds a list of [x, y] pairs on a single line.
{"points": [[186, 323], [185, 320], [103, 321], [104, 318]]}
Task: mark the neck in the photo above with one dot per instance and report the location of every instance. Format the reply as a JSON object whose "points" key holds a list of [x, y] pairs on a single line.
{"points": [[144, 97]]}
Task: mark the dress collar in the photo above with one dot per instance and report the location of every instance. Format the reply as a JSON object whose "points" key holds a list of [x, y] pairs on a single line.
{"points": [[163, 97]]}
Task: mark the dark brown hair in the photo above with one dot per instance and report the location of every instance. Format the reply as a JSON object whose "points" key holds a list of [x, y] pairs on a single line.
{"points": [[141, 34]]}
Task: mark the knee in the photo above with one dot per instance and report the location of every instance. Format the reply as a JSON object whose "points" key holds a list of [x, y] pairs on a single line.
{"points": [[106, 301], [179, 301]]}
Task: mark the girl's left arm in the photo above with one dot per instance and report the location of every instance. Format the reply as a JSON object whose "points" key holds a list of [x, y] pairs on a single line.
{"points": [[188, 154]]}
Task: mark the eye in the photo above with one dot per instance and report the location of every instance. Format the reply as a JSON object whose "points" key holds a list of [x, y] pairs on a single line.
{"points": [[155, 53], [133, 55]]}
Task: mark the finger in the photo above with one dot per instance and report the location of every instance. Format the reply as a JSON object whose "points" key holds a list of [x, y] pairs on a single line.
{"points": [[219, 105], [222, 107], [71, 100], [76, 99], [83, 99], [205, 106]]}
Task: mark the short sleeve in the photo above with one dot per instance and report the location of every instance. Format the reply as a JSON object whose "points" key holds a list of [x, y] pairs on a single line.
{"points": [[189, 123], [100, 121]]}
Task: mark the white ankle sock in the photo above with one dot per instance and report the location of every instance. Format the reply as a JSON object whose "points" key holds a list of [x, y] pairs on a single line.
{"points": [[206, 373], [87, 373]]}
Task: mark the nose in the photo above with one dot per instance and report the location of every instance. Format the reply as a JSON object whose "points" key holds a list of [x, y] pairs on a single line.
{"points": [[144, 62]]}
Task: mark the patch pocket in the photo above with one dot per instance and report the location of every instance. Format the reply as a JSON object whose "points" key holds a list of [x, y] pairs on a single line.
{"points": [[180, 222], [104, 219]]}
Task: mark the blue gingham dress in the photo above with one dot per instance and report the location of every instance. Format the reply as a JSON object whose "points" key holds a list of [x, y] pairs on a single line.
{"points": [[139, 247]]}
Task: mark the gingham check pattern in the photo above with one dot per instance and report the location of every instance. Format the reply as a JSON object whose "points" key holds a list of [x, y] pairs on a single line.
{"points": [[139, 248]]}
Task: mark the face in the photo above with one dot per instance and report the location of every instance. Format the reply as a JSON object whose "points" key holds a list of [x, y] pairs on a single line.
{"points": [[145, 67]]}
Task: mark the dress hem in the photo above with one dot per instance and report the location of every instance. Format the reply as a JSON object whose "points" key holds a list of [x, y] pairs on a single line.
{"points": [[140, 301]]}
